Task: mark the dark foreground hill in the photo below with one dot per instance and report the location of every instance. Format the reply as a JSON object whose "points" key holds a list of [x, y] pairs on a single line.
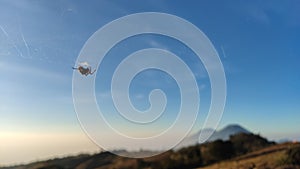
{"points": [[279, 156], [241, 151]]}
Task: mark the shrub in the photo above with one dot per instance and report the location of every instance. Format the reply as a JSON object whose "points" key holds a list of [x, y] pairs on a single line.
{"points": [[217, 151], [244, 143], [292, 157]]}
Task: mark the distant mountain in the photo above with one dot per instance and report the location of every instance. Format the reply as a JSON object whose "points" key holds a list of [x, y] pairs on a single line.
{"points": [[222, 134], [227, 131], [283, 140], [193, 139]]}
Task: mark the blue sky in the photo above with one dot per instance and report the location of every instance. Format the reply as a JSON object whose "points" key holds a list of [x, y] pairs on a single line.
{"points": [[257, 41]]}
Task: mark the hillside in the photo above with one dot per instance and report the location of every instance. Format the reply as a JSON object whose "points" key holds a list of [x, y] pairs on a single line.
{"points": [[241, 151], [274, 157]]}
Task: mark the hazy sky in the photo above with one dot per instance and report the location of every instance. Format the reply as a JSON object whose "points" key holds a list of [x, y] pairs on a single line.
{"points": [[257, 41]]}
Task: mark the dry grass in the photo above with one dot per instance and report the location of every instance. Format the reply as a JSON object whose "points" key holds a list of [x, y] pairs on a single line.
{"points": [[267, 158]]}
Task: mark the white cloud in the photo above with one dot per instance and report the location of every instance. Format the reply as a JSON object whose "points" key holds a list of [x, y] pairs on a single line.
{"points": [[156, 44], [260, 15]]}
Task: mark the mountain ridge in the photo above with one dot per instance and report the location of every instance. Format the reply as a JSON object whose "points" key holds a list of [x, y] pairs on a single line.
{"points": [[222, 134]]}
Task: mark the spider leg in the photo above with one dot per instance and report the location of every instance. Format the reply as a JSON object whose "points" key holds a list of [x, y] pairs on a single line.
{"points": [[92, 72]]}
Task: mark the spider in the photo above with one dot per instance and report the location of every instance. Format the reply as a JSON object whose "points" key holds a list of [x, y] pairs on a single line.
{"points": [[85, 70]]}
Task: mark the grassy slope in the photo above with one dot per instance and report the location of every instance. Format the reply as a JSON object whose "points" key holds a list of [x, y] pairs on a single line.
{"points": [[267, 158]]}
